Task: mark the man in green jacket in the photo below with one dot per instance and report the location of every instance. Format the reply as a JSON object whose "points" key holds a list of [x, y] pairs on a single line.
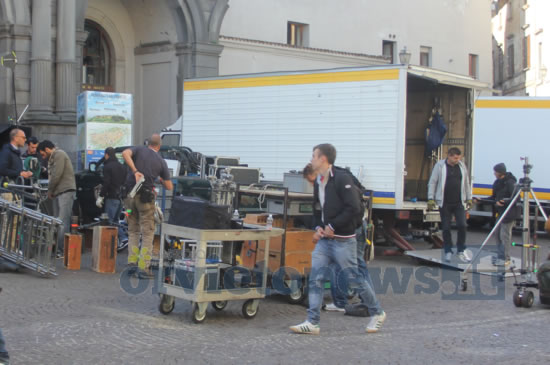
{"points": [[61, 186]]}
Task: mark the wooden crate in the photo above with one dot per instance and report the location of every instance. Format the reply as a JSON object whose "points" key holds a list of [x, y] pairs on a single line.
{"points": [[73, 251], [261, 219], [297, 260], [296, 240], [104, 249], [248, 254]]}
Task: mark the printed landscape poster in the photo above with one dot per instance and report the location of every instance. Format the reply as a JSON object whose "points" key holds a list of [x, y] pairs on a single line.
{"points": [[103, 120]]}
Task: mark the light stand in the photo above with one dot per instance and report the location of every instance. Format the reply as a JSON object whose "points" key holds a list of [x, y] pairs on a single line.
{"points": [[529, 253], [10, 61]]}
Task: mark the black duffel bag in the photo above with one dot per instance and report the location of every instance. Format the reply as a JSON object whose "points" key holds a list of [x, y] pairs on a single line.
{"points": [[543, 276], [199, 213]]}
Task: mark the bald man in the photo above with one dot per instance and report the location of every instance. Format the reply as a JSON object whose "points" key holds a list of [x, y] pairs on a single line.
{"points": [[144, 162]]}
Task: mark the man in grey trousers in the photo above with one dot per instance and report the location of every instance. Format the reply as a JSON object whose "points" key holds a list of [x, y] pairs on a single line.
{"points": [[61, 186]]}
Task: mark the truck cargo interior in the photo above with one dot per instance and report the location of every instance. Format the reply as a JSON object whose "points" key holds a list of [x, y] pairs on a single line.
{"points": [[426, 97]]}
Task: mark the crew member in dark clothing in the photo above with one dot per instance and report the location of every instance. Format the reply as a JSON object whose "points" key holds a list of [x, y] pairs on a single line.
{"points": [[114, 176], [449, 188], [11, 166], [144, 162], [504, 188]]}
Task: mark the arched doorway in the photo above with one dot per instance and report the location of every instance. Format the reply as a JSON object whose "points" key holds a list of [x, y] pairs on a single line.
{"points": [[98, 61]]}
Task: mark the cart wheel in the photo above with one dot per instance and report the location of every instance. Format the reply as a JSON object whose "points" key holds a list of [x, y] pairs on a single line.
{"points": [[517, 298], [197, 317], [528, 299], [297, 297], [219, 305], [249, 311], [167, 303], [464, 285]]}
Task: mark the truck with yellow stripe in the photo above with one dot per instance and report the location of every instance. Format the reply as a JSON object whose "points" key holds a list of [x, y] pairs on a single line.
{"points": [[376, 117], [506, 129]]}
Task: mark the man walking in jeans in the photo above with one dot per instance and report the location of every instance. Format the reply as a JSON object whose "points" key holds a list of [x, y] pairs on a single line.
{"points": [[336, 206], [61, 186], [449, 188]]}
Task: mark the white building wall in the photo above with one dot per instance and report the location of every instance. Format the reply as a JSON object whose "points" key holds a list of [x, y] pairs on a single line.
{"points": [[536, 17], [453, 29]]}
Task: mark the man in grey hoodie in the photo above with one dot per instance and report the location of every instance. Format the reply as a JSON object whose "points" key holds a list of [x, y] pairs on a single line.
{"points": [[61, 186], [449, 188]]}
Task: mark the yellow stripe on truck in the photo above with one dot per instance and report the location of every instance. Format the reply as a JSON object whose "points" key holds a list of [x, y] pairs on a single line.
{"points": [[390, 201], [510, 104], [315, 78], [489, 192]]}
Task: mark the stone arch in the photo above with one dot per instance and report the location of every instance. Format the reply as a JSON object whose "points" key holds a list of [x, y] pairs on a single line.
{"points": [[119, 47], [216, 19]]}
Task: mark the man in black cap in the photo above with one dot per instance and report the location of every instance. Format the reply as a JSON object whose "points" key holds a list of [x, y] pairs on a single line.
{"points": [[503, 190]]}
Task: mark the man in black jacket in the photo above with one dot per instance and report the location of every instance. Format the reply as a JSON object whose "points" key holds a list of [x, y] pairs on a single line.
{"points": [[114, 176], [11, 166], [335, 208], [503, 190]]}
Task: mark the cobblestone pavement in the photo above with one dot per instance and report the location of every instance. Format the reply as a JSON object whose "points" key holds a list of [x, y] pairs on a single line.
{"points": [[86, 318]]}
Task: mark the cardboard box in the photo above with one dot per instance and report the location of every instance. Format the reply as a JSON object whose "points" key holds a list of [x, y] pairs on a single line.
{"points": [[104, 249], [73, 251]]}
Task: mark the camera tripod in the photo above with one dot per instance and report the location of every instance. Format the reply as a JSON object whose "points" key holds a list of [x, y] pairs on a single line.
{"points": [[529, 253]]}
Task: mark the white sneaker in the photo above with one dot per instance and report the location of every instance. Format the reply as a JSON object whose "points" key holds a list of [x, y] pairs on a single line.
{"points": [[333, 308], [448, 256], [376, 322], [464, 256], [306, 328]]}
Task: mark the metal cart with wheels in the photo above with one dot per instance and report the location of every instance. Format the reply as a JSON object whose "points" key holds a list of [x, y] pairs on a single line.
{"points": [[204, 285]]}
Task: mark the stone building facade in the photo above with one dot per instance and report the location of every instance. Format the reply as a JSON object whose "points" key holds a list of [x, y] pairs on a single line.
{"points": [[141, 47]]}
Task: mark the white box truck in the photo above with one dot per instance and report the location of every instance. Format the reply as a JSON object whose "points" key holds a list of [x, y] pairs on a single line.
{"points": [[506, 129], [376, 117]]}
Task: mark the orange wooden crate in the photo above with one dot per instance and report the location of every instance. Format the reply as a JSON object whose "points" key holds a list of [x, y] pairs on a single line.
{"points": [[296, 240], [297, 260], [73, 251], [104, 249]]}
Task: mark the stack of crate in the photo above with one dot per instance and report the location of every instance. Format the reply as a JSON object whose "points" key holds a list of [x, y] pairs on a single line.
{"points": [[298, 246]]}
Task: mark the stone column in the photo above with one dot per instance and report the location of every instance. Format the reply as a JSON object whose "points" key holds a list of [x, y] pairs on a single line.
{"points": [[41, 61], [65, 93], [206, 59]]}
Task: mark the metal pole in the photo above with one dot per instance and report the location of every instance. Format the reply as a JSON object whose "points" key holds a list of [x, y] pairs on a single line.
{"points": [[14, 95]]}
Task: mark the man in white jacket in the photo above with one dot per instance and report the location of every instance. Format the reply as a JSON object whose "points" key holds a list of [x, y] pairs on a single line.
{"points": [[449, 188]]}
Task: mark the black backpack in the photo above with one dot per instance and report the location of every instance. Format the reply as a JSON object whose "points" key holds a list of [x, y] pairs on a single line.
{"points": [[359, 190]]}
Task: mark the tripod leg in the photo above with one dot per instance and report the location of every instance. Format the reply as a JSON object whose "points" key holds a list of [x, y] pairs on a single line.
{"points": [[539, 205], [516, 197]]}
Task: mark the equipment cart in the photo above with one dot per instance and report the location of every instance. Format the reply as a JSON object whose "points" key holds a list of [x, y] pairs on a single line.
{"points": [[200, 282]]}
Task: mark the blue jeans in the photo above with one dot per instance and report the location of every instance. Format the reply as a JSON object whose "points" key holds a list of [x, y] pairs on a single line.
{"points": [[3, 352], [446, 212], [339, 297], [343, 253], [113, 208], [62, 209]]}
